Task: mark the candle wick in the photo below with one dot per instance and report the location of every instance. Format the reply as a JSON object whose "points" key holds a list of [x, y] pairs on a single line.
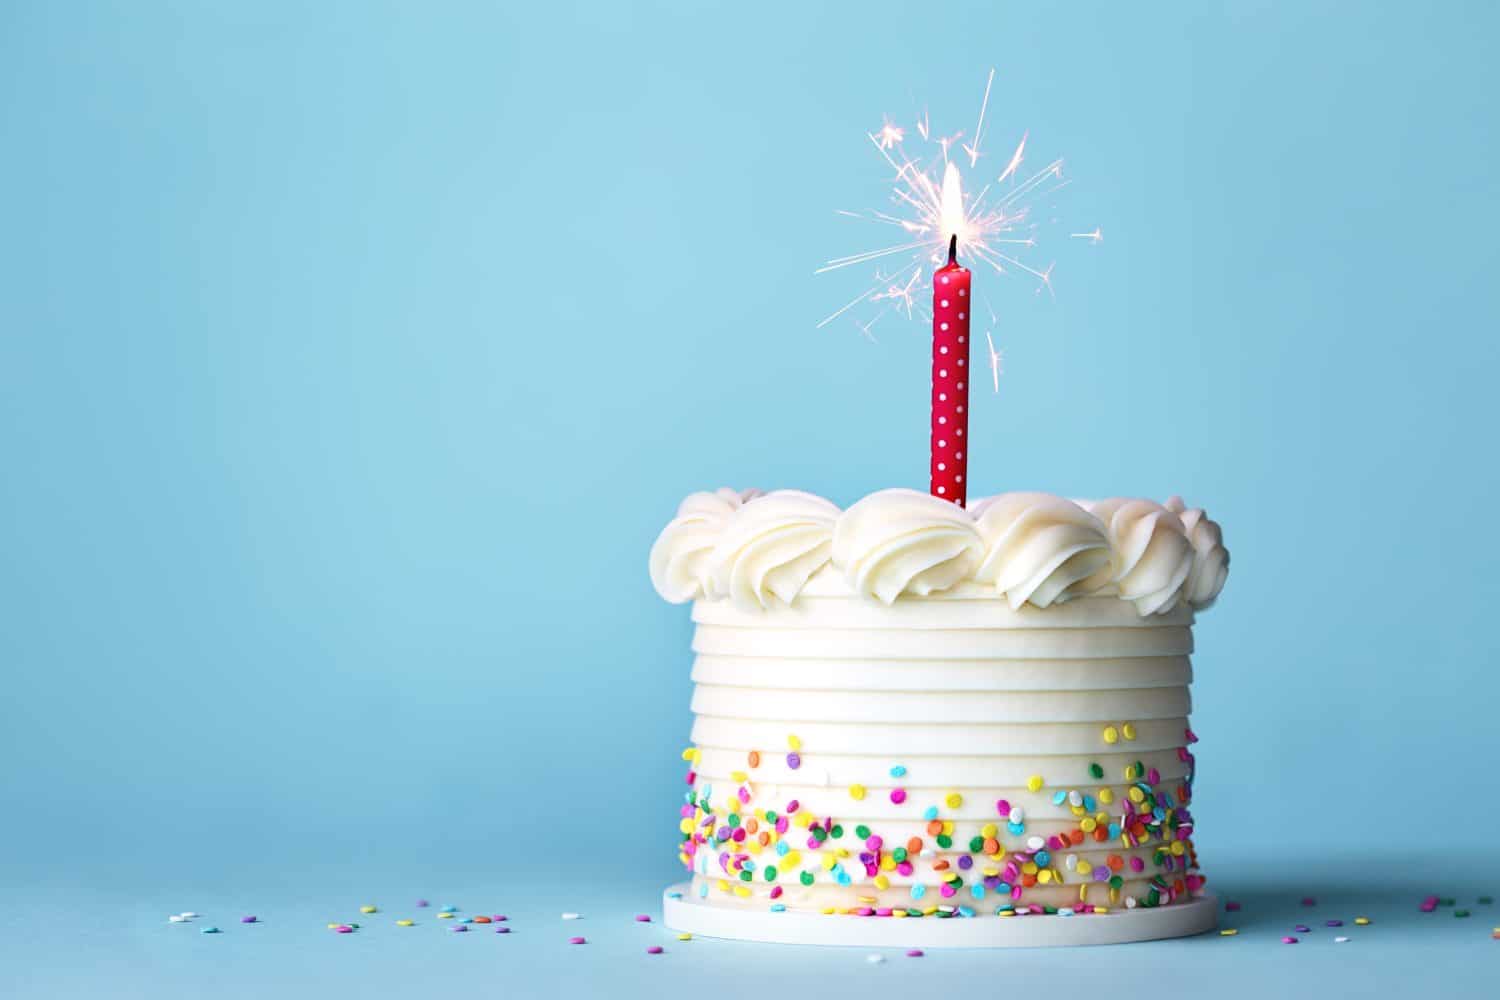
{"points": [[952, 249]]}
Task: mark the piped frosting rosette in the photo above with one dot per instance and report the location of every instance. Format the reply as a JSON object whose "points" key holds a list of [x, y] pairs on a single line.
{"points": [[771, 545], [904, 542], [1040, 549], [680, 567]]}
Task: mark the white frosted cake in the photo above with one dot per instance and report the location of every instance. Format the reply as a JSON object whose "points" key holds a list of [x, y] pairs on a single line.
{"points": [[908, 711]]}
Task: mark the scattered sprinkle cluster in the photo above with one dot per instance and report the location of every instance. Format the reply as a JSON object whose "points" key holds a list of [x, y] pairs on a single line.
{"points": [[772, 853]]}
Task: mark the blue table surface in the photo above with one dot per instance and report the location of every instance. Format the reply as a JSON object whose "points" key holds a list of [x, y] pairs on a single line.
{"points": [[88, 942]]}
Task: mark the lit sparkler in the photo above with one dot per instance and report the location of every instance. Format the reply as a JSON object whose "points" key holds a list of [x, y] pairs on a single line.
{"points": [[1000, 226]]}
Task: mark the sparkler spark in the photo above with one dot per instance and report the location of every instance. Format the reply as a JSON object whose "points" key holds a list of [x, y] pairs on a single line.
{"points": [[996, 359], [1001, 225]]}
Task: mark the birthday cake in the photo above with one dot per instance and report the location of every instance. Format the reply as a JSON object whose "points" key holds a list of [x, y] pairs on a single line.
{"points": [[932, 716]]}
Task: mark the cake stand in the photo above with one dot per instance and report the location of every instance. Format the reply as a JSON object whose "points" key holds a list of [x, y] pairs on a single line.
{"points": [[707, 918]]}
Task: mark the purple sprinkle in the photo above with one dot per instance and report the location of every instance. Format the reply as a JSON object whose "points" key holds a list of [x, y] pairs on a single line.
{"points": [[794, 760], [423, 902], [642, 918], [914, 953], [1302, 928], [460, 928], [655, 949], [1333, 923], [502, 930], [249, 920], [499, 917]]}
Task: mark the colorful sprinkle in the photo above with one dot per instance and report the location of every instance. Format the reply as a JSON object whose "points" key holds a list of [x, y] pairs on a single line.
{"points": [[1362, 921], [1309, 901], [460, 928], [249, 920], [368, 909], [210, 930], [577, 940], [684, 936], [793, 742], [654, 949], [794, 760], [899, 771], [856, 792], [1034, 783], [1128, 730], [572, 916], [1229, 932], [1340, 939], [1111, 734], [898, 795], [405, 923], [914, 953], [643, 918], [1289, 940]]}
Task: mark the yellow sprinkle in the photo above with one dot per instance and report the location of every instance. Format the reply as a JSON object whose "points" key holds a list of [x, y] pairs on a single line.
{"points": [[898, 913], [1084, 867], [1088, 824], [1128, 730], [794, 742], [686, 826], [1177, 848], [866, 899], [948, 827], [989, 830], [684, 936], [1077, 810], [1083, 892], [742, 891], [856, 792], [829, 861], [1101, 909], [882, 882], [989, 871], [691, 753], [1136, 795], [1044, 876], [723, 886], [792, 859], [1007, 913], [738, 776], [1029, 868], [367, 909], [928, 911], [887, 863], [445, 916], [1106, 795], [1111, 734], [954, 800], [1034, 783], [332, 926], [827, 911], [804, 819], [1229, 932], [405, 923], [1362, 921]]}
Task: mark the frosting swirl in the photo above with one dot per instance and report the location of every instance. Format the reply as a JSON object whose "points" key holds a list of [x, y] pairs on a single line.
{"points": [[680, 569], [1040, 548], [771, 545], [1149, 553], [900, 541], [1210, 557]]}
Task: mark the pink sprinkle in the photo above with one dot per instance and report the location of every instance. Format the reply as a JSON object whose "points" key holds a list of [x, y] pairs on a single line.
{"points": [[1153, 776], [499, 918], [655, 949], [792, 806], [1309, 901], [947, 890], [874, 842], [344, 929], [1002, 807], [691, 777], [1232, 906], [577, 940], [898, 795], [775, 892], [1288, 940], [882, 911], [642, 918], [914, 953]]}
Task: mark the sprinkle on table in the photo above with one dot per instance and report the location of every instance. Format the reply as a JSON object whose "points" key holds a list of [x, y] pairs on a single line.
{"points": [[1362, 921], [1229, 932], [577, 940], [1288, 940], [572, 916], [1232, 906], [655, 949], [684, 936], [1111, 734], [914, 953], [1309, 901], [643, 918]]}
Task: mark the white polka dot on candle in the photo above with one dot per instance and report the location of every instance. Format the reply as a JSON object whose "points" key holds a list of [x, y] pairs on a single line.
{"points": [[942, 420], [962, 291], [941, 490], [962, 316], [942, 397], [944, 304], [943, 373], [942, 444], [941, 467], [942, 326], [943, 350]]}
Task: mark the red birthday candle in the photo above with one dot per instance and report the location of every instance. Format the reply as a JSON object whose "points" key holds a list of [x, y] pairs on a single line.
{"points": [[950, 358]]}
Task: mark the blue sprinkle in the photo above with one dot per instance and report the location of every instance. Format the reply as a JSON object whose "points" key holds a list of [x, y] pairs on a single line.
{"points": [[702, 891], [778, 907], [977, 890], [1065, 911], [1004, 887], [898, 771], [1059, 798], [1042, 858], [965, 911], [918, 891], [1016, 828], [930, 813], [450, 909], [782, 847], [210, 930], [1114, 831], [1088, 803], [843, 878], [674, 895]]}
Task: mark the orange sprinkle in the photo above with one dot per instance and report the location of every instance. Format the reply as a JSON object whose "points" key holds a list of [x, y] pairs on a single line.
{"points": [[754, 758], [764, 838], [991, 845], [914, 845], [1075, 836], [752, 824], [1115, 862], [934, 827], [940, 866], [1028, 880], [1101, 833]]}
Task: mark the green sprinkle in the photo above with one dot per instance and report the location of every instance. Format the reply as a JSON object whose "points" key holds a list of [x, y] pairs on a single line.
{"points": [[1460, 913], [819, 834], [734, 820], [862, 832], [944, 841], [976, 844], [770, 873], [899, 854], [1096, 770], [1116, 881], [838, 831], [746, 875], [806, 878], [1486, 900]]}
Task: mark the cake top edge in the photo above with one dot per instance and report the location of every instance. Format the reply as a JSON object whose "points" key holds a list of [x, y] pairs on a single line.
{"points": [[760, 550]]}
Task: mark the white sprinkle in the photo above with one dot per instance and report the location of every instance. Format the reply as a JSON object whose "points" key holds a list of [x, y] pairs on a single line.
{"points": [[188, 915], [1340, 940], [175, 918], [874, 959], [572, 916], [1033, 843]]}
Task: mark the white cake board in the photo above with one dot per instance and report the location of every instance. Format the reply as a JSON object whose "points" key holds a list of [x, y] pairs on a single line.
{"points": [[711, 919]]}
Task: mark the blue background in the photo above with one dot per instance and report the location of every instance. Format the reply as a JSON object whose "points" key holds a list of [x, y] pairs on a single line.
{"points": [[352, 355]]}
